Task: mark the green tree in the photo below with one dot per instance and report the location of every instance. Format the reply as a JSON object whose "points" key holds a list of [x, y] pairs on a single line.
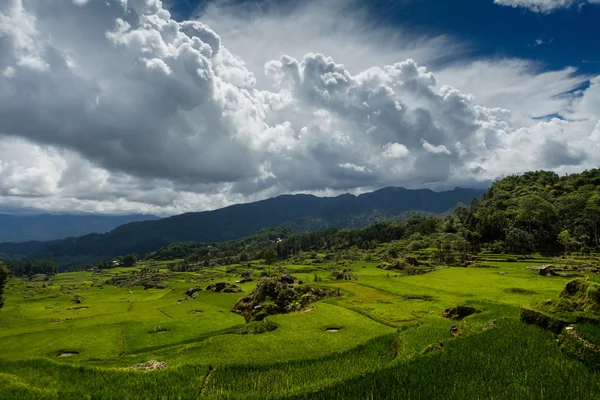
{"points": [[567, 241], [129, 260], [270, 255], [3, 280], [592, 215]]}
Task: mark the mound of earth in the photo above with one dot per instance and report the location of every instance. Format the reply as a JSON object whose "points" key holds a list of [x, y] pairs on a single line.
{"points": [[459, 312], [578, 302], [275, 295], [224, 287], [257, 327], [149, 366], [192, 291], [149, 279]]}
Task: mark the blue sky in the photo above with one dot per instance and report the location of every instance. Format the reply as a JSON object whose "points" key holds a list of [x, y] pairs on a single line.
{"points": [[569, 37]]}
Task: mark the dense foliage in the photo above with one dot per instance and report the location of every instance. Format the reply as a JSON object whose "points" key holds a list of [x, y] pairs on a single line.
{"points": [[28, 268], [3, 280], [537, 211]]}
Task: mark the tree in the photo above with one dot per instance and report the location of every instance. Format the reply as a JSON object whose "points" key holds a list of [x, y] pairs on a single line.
{"points": [[3, 280], [129, 260], [462, 247], [568, 242], [592, 215], [270, 255]]}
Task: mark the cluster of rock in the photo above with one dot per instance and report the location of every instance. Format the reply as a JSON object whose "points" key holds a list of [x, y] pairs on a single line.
{"points": [[149, 279], [149, 366], [219, 287], [278, 295]]}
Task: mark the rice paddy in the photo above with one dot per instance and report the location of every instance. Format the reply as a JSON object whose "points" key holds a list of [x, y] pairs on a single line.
{"points": [[76, 337]]}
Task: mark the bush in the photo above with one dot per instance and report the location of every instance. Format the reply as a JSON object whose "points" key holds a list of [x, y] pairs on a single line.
{"points": [[257, 327]]}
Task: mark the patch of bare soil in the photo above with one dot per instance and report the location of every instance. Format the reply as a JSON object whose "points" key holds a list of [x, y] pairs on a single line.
{"points": [[151, 365], [62, 354]]}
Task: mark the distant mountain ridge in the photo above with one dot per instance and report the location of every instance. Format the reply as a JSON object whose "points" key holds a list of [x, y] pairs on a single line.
{"points": [[44, 227], [244, 219]]}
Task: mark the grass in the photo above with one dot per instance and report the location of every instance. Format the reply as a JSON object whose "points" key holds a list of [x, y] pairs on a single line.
{"points": [[512, 361], [387, 323]]}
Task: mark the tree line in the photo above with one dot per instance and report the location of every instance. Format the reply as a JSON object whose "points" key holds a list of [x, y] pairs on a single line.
{"points": [[29, 268], [535, 211]]}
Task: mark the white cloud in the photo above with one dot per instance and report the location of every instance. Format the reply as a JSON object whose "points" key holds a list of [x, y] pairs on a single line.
{"points": [[141, 113], [441, 149], [354, 167], [544, 6], [395, 150]]}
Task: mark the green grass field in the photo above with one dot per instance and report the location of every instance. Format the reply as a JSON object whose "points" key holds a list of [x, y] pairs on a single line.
{"points": [[390, 340]]}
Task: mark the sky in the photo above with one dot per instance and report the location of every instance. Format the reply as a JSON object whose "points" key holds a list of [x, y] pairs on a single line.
{"points": [[123, 106]]}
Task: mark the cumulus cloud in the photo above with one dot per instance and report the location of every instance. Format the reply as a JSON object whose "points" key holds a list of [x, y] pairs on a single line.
{"points": [[114, 106], [545, 6]]}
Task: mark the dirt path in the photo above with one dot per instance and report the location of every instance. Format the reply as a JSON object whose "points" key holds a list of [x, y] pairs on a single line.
{"points": [[206, 379], [122, 340]]}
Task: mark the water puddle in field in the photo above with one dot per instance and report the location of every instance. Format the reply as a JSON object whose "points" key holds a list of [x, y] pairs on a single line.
{"points": [[62, 354], [332, 329]]}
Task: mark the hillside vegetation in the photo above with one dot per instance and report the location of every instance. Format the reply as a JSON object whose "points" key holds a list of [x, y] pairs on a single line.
{"points": [[300, 212]]}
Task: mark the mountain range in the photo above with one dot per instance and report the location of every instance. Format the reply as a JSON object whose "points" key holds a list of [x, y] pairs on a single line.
{"points": [[303, 212], [23, 228]]}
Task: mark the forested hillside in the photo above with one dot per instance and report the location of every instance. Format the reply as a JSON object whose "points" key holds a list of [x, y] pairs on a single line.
{"points": [[538, 211], [301, 212]]}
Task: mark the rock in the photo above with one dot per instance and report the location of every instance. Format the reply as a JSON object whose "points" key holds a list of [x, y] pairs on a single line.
{"points": [[224, 287], [544, 270], [149, 366], [459, 313], [192, 291], [154, 285]]}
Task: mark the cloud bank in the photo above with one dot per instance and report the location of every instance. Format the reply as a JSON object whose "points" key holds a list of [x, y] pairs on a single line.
{"points": [[545, 6], [113, 106]]}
